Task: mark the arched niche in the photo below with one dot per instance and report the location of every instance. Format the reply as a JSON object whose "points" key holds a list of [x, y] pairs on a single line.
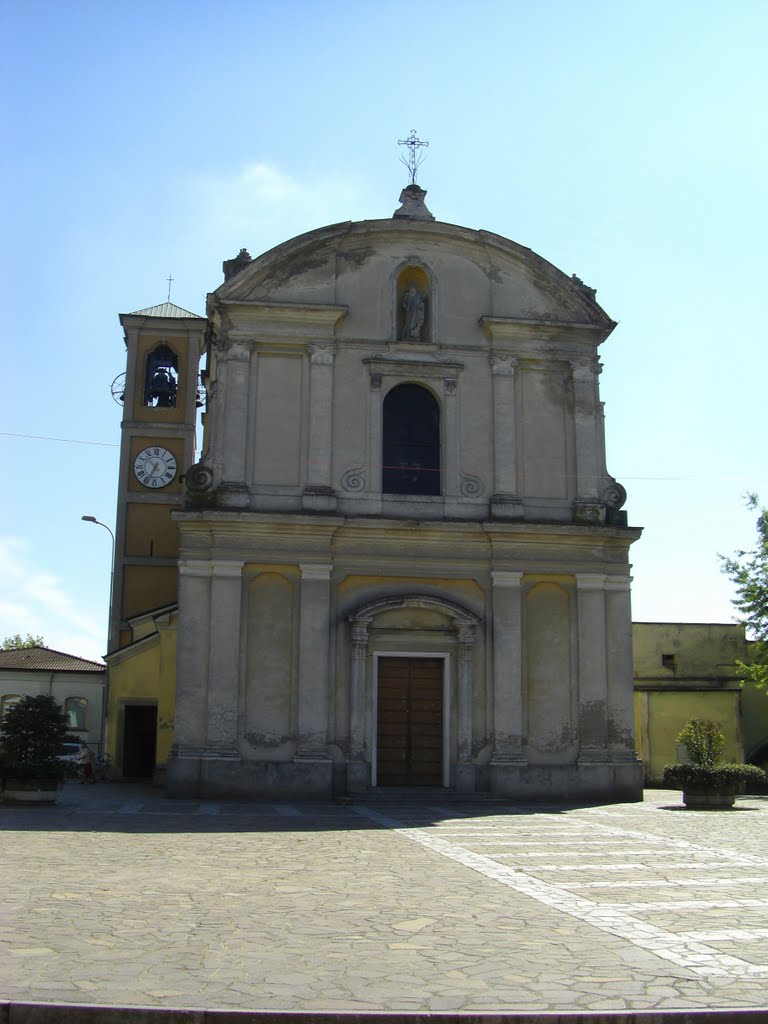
{"points": [[410, 456], [161, 378], [413, 302]]}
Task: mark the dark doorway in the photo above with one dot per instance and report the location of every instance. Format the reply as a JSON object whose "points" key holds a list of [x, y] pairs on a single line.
{"points": [[411, 449], [139, 741], [409, 748]]}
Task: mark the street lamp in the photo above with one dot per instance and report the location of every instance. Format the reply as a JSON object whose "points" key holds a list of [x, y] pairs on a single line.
{"points": [[105, 700], [93, 519]]}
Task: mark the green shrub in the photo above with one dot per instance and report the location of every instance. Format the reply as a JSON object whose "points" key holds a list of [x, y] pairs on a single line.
{"points": [[703, 742], [711, 777]]}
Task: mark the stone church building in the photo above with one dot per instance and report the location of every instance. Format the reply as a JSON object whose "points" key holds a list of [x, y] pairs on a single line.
{"points": [[401, 558]]}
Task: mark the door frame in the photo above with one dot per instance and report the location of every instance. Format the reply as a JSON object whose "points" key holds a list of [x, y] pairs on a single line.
{"points": [[446, 747]]}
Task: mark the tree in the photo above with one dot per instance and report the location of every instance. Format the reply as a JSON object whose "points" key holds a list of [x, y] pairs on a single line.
{"points": [[32, 731], [748, 571], [17, 643]]}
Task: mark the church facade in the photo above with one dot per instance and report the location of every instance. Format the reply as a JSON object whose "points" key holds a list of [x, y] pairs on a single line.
{"points": [[400, 560]]}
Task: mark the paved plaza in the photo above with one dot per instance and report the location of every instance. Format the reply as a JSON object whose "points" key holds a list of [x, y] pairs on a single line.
{"points": [[119, 895]]}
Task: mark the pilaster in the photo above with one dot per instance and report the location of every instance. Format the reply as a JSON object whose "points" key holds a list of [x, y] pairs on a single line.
{"points": [[508, 726], [224, 663], [236, 355], [593, 678], [318, 493], [589, 474], [314, 639], [505, 503]]}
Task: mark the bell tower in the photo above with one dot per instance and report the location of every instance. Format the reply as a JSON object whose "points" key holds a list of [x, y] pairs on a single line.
{"points": [[160, 401]]}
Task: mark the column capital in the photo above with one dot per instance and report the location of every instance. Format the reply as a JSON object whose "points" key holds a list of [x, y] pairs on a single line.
{"points": [[194, 567], [506, 578], [590, 580], [316, 570], [321, 354], [503, 364], [227, 568], [618, 582], [585, 370]]}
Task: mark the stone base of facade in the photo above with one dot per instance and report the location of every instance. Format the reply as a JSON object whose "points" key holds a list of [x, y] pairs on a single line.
{"points": [[607, 781], [232, 778], [209, 777]]}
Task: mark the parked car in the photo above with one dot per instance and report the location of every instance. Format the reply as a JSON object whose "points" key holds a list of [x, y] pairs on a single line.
{"points": [[70, 752]]}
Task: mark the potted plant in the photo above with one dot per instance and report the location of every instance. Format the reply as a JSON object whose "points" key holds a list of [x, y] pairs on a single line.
{"points": [[31, 736], [708, 782]]}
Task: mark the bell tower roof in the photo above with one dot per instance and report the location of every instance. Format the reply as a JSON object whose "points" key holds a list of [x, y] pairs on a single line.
{"points": [[167, 309]]}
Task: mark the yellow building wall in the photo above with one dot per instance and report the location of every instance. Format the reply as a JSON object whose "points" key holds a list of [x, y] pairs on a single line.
{"points": [[146, 587], [144, 674], [660, 715], [150, 531]]}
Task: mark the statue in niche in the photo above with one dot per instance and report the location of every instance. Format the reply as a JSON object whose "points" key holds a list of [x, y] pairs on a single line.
{"points": [[413, 314]]}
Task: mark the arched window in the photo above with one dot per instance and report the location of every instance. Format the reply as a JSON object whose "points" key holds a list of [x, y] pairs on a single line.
{"points": [[411, 449], [76, 710], [161, 381], [7, 701]]}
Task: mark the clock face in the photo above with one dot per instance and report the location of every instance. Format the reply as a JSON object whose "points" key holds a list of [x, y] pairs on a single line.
{"points": [[154, 467]]}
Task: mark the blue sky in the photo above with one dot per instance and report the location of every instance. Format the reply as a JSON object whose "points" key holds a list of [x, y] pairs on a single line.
{"points": [[624, 142]]}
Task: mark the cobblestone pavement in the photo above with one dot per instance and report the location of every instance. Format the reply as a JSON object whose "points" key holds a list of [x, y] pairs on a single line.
{"points": [[119, 895]]}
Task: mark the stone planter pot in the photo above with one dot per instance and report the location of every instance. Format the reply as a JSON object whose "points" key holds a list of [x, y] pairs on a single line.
{"points": [[700, 798], [41, 791]]}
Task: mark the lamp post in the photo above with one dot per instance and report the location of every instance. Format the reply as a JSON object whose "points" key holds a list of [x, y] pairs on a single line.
{"points": [[93, 519]]}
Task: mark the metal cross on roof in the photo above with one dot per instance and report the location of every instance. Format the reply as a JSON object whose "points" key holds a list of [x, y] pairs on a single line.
{"points": [[170, 281], [414, 158]]}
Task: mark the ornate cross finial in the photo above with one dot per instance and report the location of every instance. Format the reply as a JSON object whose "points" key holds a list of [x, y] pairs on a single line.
{"points": [[414, 159], [170, 281]]}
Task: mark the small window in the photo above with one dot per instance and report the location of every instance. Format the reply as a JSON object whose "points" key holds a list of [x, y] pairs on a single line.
{"points": [[669, 661], [161, 382], [7, 701], [76, 710], [411, 449]]}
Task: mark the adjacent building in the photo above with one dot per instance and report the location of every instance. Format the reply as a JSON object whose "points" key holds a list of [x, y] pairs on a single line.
{"points": [[74, 683]]}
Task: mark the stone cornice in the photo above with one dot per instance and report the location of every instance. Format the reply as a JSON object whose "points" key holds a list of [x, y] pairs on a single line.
{"points": [[511, 329], [284, 319]]}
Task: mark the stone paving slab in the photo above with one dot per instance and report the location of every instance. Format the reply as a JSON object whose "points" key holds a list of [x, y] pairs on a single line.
{"points": [[120, 896]]}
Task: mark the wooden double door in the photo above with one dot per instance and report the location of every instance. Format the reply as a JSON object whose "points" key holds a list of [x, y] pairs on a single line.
{"points": [[409, 734]]}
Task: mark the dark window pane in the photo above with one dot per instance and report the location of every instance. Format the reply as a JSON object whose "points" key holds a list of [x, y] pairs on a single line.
{"points": [[411, 450]]}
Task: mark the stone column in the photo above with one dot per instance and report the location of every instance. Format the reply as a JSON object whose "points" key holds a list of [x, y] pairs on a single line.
{"points": [[508, 725], [318, 493], [314, 638], [585, 421], [233, 398], [359, 775], [450, 467], [505, 503], [465, 770], [593, 679], [620, 669], [224, 658]]}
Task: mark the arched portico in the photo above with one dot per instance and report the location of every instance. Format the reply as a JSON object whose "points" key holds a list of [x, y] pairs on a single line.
{"points": [[371, 641]]}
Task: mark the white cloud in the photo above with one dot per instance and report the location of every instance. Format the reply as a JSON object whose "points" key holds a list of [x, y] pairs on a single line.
{"points": [[261, 205], [35, 601]]}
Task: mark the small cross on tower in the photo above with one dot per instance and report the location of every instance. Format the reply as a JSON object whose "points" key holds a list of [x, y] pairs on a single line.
{"points": [[413, 159], [170, 281]]}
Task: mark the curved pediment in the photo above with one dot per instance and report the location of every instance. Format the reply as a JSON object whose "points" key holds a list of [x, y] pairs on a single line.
{"points": [[478, 277]]}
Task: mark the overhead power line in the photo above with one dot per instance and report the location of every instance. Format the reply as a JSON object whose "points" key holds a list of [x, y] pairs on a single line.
{"points": [[64, 440]]}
